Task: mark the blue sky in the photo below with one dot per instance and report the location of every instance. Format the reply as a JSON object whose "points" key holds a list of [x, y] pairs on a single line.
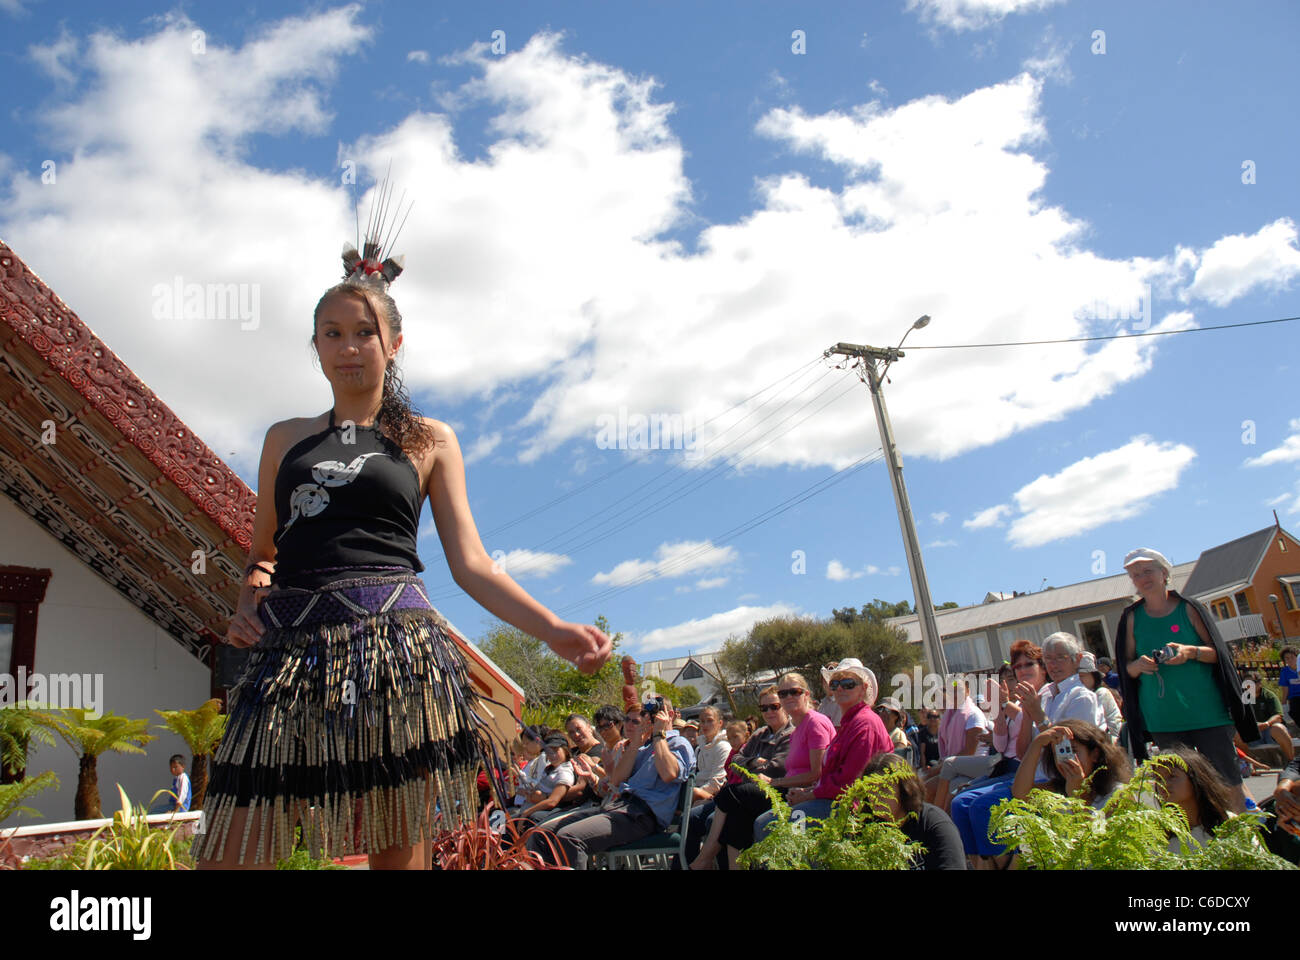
{"points": [[666, 209]]}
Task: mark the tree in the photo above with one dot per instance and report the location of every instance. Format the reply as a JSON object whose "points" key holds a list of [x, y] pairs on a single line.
{"points": [[877, 611], [201, 730], [526, 660], [89, 737], [735, 661]]}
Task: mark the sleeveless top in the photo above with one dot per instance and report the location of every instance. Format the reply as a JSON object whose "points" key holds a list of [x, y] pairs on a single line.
{"points": [[1185, 697], [354, 506]]}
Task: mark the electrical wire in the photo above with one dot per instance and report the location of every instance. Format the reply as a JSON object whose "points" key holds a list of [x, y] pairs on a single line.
{"points": [[569, 546], [825, 483], [628, 463], [1113, 336]]}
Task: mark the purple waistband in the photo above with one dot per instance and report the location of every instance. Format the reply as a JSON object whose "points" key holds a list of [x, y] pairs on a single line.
{"points": [[343, 601]]}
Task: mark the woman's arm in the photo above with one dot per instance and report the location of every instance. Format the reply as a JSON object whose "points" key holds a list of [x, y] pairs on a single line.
{"points": [[1024, 781], [246, 626], [972, 742], [549, 803], [485, 581], [815, 758]]}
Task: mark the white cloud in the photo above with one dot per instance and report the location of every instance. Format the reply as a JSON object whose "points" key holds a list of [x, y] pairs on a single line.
{"points": [[580, 179], [530, 564], [711, 583], [1115, 485], [1277, 501], [418, 56], [1236, 264], [672, 560], [482, 446], [706, 633], [972, 14], [940, 517], [51, 57], [941, 543], [1285, 452], [837, 571], [1052, 59], [992, 517]]}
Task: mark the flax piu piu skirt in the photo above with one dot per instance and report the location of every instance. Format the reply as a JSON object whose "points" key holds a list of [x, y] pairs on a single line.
{"points": [[354, 707]]}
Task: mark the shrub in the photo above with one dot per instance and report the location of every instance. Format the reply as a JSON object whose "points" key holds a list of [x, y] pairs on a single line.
{"points": [[859, 833], [1131, 832]]}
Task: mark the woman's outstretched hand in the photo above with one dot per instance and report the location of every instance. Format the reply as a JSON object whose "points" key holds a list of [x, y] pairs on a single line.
{"points": [[582, 644]]}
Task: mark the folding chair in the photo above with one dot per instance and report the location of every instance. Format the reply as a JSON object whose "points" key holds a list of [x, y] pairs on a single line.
{"points": [[660, 846]]}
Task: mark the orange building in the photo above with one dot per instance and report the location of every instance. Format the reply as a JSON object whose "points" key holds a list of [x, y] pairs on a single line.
{"points": [[1252, 585]]}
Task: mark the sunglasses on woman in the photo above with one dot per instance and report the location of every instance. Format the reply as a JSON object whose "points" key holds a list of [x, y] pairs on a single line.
{"points": [[844, 684], [769, 707], [793, 692]]}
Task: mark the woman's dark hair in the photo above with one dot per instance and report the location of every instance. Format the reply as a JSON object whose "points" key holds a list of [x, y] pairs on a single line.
{"points": [[1213, 799], [577, 716], [1112, 767], [911, 795], [610, 713], [537, 733], [407, 429]]}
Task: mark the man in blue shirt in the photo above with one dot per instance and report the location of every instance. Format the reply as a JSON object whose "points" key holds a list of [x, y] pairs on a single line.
{"points": [[646, 784]]}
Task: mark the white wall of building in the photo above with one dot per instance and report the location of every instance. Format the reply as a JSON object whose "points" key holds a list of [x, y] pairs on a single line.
{"points": [[85, 626]]}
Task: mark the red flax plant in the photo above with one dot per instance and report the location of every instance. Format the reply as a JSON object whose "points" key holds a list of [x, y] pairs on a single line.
{"points": [[478, 846]]}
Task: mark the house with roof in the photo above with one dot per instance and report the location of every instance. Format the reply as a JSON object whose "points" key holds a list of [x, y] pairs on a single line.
{"points": [[123, 537], [697, 670], [1252, 585], [979, 637]]}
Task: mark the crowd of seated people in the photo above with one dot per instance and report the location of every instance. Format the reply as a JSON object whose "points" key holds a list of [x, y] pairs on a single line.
{"points": [[1058, 726]]}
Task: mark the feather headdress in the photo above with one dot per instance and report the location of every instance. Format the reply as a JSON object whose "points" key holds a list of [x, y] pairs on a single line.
{"points": [[369, 266]]}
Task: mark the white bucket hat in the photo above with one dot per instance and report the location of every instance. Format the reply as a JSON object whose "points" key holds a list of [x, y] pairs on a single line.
{"points": [[1146, 553], [854, 666]]}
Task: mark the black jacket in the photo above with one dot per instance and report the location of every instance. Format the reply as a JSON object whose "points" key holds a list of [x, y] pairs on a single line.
{"points": [[1228, 682]]}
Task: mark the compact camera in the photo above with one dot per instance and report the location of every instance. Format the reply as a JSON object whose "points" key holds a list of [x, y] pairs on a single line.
{"points": [[1064, 750], [653, 706], [1166, 652]]}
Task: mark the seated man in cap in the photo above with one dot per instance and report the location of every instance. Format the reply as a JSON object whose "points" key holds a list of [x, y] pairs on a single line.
{"points": [[646, 783]]}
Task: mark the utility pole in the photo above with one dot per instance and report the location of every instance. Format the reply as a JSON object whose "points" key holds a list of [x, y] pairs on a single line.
{"points": [[870, 356]]}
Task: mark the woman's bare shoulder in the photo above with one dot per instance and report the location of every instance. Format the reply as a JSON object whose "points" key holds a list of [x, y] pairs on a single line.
{"points": [[283, 434]]}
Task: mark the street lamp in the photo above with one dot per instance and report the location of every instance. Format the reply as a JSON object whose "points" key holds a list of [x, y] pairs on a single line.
{"points": [[932, 643], [1272, 598]]}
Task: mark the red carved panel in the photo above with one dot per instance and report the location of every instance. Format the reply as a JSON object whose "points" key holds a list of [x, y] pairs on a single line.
{"points": [[44, 322]]}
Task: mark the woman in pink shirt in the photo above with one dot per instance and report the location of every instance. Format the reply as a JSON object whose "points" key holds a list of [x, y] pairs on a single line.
{"points": [[739, 806], [861, 736]]}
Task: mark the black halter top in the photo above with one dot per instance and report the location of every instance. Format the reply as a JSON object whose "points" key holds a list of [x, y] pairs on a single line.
{"points": [[345, 509]]}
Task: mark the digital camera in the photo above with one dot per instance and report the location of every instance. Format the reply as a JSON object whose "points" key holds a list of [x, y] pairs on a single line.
{"points": [[653, 706], [1166, 652]]}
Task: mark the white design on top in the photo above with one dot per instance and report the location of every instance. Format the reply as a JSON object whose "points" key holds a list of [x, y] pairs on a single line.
{"points": [[309, 499]]}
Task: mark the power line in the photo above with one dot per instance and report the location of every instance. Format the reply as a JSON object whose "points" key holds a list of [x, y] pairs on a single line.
{"points": [[1113, 336], [569, 546], [735, 532], [628, 463]]}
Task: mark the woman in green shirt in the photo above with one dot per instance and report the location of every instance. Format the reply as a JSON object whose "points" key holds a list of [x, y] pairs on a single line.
{"points": [[1177, 676]]}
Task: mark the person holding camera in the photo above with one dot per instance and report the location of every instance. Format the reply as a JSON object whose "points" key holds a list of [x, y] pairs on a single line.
{"points": [[1065, 755], [1177, 676], [645, 784]]}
